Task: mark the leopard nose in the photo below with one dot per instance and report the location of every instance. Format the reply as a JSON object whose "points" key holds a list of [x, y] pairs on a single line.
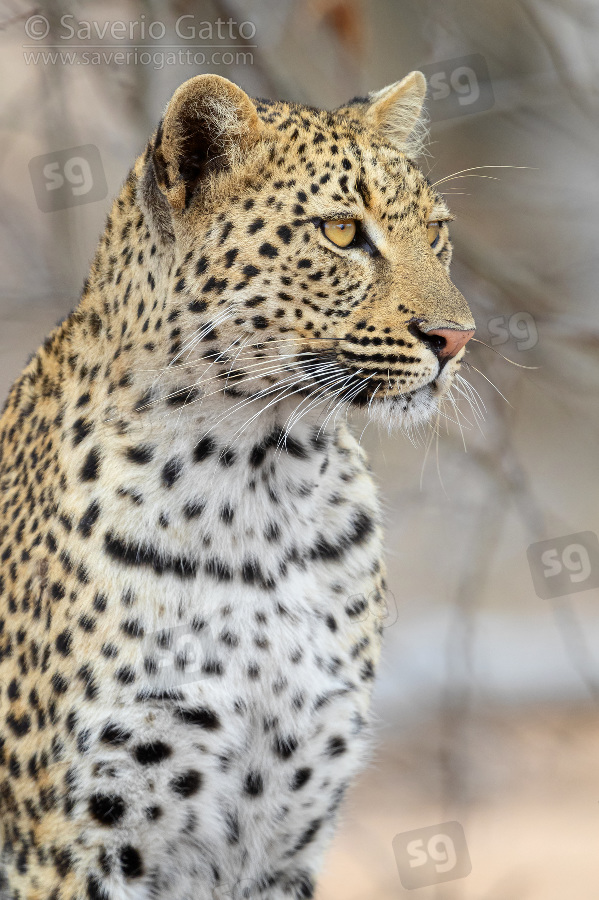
{"points": [[444, 342], [453, 341]]}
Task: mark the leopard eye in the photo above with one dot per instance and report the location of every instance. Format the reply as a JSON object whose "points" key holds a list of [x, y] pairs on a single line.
{"points": [[340, 231], [433, 231]]}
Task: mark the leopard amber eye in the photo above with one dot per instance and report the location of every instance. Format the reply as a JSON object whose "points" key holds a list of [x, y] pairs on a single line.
{"points": [[433, 231], [340, 231]]}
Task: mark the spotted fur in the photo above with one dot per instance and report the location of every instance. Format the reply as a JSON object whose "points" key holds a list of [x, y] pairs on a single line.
{"points": [[191, 584]]}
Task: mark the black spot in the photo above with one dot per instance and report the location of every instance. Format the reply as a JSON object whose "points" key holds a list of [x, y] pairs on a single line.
{"points": [[200, 716], [272, 532], [194, 509], [19, 725], [218, 569], [307, 837], [114, 734], [89, 518], [360, 528], [303, 886], [91, 466], [81, 429], [285, 233], [152, 753], [254, 784], [171, 472], [285, 746], [187, 784], [95, 891], [63, 642], [357, 606], [131, 864], [231, 256], [256, 225], [212, 667], [331, 623], [257, 455], [367, 670], [60, 685], [227, 457], [63, 861], [336, 746], [251, 572], [197, 306], [141, 455], [291, 446], [100, 602], [227, 513], [57, 590], [95, 323], [250, 270], [132, 628], [107, 809], [260, 322], [215, 284], [204, 448], [267, 249], [153, 813], [126, 674], [300, 778]]}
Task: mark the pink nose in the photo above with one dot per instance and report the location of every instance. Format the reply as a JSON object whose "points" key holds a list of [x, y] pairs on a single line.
{"points": [[453, 340]]}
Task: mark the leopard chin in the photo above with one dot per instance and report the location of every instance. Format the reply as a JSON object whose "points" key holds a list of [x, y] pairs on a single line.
{"points": [[409, 410], [404, 412]]}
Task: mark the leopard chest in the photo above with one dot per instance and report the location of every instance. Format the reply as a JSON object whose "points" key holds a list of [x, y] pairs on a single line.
{"points": [[232, 657]]}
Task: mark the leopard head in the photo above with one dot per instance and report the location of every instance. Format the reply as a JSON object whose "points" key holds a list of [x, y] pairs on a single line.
{"points": [[311, 254]]}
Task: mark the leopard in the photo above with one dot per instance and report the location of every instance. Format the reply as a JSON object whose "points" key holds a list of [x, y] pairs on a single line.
{"points": [[192, 581]]}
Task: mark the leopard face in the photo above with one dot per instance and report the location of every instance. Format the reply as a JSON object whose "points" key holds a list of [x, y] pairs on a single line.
{"points": [[311, 253]]}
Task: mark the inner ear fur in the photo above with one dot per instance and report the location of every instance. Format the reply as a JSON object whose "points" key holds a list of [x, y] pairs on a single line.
{"points": [[206, 128], [397, 113]]}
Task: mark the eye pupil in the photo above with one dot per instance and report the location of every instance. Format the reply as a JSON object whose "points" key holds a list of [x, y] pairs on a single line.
{"points": [[340, 231]]}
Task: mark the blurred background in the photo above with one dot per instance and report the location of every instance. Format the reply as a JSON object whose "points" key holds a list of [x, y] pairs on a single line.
{"points": [[486, 704]]}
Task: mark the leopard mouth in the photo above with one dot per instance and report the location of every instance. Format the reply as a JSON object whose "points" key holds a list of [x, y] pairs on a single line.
{"points": [[382, 399]]}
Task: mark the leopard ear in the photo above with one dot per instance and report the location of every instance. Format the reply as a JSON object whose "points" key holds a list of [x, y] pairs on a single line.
{"points": [[397, 113], [206, 128]]}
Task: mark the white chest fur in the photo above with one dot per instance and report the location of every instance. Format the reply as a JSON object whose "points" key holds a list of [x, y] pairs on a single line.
{"points": [[239, 702]]}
